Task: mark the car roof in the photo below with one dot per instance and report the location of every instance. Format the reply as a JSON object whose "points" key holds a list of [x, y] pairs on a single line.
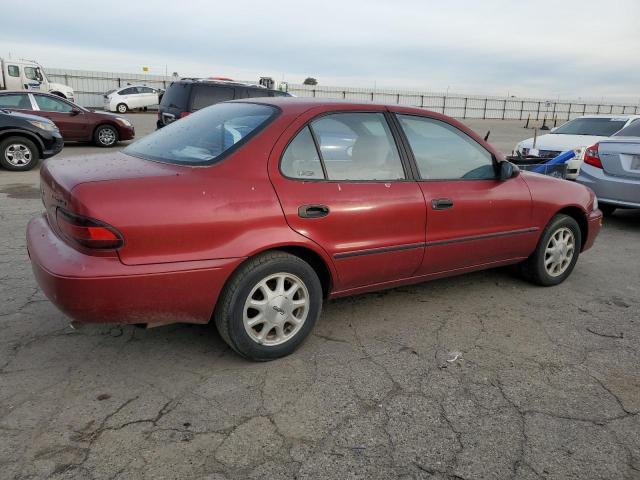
{"points": [[626, 116], [300, 103]]}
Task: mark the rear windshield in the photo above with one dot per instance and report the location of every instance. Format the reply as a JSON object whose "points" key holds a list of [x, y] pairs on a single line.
{"points": [[603, 127], [632, 130], [206, 136], [176, 96]]}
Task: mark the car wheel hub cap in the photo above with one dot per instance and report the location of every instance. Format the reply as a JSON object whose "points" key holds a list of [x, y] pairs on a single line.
{"points": [[106, 136], [18, 154], [276, 309], [559, 252]]}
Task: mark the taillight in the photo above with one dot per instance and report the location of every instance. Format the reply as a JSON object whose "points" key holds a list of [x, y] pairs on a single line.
{"points": [[87, 232], [184, 114], [592, 157]]}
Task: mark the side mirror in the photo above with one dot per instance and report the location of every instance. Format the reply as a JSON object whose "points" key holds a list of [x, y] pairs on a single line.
{"points": [[75, 112], [508, 170]]}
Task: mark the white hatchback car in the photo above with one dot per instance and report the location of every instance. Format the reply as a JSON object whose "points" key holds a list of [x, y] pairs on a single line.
{"points": [[577, 135], [130, 98]]}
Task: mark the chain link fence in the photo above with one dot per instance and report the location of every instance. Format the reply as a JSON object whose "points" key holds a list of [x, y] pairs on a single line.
{"points": [[89, 87]]}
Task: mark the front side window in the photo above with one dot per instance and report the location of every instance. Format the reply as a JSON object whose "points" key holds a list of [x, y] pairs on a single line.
{"points": [[33, 73], [357, 146], [442, 152], [204, 137], [50, 104], [129, 91], [204, 96], [18, 101], [14, 70]]}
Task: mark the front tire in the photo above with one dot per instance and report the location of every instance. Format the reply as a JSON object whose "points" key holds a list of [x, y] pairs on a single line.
{"points": [[269, 306], [18, 154], [122, 108], [105, 136], [556, 253]]}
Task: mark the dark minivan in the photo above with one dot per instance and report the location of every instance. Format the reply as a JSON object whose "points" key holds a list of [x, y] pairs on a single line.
{"points": [[188, 95]]}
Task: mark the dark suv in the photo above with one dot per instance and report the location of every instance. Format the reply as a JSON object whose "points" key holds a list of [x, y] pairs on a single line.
{"points": [[188, 95]]}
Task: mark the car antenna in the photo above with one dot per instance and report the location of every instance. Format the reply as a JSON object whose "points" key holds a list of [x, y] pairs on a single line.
{"points": [[486, 137]]}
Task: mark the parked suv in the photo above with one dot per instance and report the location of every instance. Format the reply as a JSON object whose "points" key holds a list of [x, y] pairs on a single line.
{"points": [[25, 139], [188, 95]]}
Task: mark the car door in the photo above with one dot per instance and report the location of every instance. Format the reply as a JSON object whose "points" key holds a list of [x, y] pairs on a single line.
{"points": [[71, 121], [149, 96], [342, 183], [128, 97], [473, 218]]}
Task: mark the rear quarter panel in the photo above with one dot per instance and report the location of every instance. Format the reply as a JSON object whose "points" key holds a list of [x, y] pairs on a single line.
{"points": [[227, 210]]}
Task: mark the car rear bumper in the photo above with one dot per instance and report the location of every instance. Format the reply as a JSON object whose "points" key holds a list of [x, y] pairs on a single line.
{"points": [[594, 225], [619, 191], [101, 289]]}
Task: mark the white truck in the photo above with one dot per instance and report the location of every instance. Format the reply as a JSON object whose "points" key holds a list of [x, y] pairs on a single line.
{"points": [[29, 75]]}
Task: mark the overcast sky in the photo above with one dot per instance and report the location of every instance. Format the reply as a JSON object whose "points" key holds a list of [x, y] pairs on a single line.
{"points": [[586, 49]]}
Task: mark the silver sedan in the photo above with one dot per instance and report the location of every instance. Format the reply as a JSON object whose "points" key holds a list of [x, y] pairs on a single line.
{"points": [[611, 169]]}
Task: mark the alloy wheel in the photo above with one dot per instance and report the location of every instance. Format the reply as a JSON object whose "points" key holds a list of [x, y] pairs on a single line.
{"points": [[18, 154], [107, 136]]}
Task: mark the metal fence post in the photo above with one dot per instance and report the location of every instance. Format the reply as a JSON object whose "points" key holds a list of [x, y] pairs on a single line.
{"points": [[314, 92], [344, 94], [398, 99], [504, 108], [421, 101], [484, 110], [464, 112], [538, 112], [444, 103], [521, 109], [584, 109]]}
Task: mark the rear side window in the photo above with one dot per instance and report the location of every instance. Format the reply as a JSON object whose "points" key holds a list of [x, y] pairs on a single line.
{"points": [[352, 147], [204, 96], [129, 91], [176, 96], [18, 101], [300, 159], [14, 70], [205, 137]]}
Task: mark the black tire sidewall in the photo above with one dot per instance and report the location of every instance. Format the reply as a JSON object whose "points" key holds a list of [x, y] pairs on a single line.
{"points": [[126, 108], [560, 221], [242, 343], [96, 136], [35, 154]]}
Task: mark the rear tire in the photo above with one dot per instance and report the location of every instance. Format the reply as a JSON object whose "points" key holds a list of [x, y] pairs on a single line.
{"points": [[105, 136], [607, 209], [556, 254], [122, 108], [18, 154], [269, 306]]}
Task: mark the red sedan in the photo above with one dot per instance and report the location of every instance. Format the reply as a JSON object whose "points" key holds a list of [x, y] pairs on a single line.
{"points": [[252, 212], [76, 124]]}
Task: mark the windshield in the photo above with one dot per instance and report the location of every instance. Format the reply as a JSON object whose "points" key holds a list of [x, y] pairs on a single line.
{"points": [[203, 137], [602, 127], [632, 130]]}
